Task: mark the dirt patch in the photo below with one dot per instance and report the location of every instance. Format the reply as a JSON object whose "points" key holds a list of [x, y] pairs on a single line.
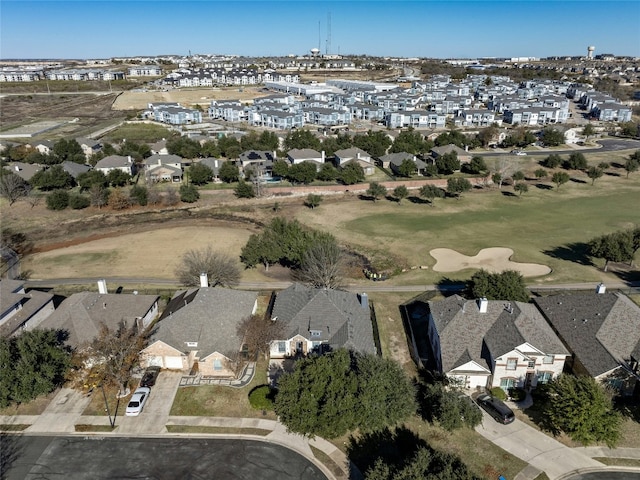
{"points": [[496, 259], [137, 100]]}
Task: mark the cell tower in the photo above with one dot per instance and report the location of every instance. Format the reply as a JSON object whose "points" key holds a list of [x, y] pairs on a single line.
{"points": [[328, 46]]}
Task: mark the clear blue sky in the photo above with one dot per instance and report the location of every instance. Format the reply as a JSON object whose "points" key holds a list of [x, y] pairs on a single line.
{"points": [[441, 29]]}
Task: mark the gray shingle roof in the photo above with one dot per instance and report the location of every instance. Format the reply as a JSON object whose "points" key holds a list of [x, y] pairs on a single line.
{"points": [[114, 161], [208, 316], [602, 330], [338, 316], [466, 334], [82, 314]]}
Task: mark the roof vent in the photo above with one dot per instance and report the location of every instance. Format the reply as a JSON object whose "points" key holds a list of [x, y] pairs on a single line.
{"points": [[601, 288], [483, 304]]}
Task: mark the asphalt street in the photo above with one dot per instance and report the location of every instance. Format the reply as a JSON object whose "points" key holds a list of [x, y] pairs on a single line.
{"points": [[95, 457]]}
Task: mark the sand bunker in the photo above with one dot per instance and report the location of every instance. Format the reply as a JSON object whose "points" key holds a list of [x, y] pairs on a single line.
{"points": [[494, 260]]}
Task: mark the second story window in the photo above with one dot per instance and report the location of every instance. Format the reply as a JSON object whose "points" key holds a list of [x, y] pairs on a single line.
{"points": [[512, 363]]}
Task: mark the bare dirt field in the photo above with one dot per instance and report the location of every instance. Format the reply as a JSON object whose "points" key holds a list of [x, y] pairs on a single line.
{"points": [[136, 100], [496, 259]]}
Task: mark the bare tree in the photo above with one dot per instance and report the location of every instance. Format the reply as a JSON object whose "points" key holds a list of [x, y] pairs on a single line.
{"points": [[322, 264], [12, 187], [220, 268], [257, 333], [116, 352], [98, 195], [32, 199]]}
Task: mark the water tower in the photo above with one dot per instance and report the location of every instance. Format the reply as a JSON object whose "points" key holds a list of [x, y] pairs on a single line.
{"points": [[590, 50], [315, 52]]}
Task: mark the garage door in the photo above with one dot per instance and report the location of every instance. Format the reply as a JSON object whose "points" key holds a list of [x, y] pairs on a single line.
{"points": [[174, 363]]}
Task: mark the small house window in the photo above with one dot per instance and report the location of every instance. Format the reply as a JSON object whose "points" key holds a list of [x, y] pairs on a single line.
{"points": [[217, 364], [512, 363], [548, 359], [282, 347], [192, 344], [315, 333], [507, 383], [531, 364], [544, 377]]}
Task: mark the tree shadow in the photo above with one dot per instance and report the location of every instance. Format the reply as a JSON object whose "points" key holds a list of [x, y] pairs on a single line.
{"points": [[612, 174], [577, 252], [626, 273], [12, 449], [391, 198], [544, 186], [617, 165], [508, 194], [394, 447], [418, 200], [577, 180], [628, 407], [447, 286]]}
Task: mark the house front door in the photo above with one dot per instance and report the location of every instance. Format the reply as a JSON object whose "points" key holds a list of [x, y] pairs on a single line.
{"points": [[528, 380], [299, 348]]}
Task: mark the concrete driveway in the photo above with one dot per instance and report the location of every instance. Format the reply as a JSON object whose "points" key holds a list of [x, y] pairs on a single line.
{"points": [[534, 447], [154, 417]]}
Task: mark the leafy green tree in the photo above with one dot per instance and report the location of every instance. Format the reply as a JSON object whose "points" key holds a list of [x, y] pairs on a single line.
{"points": [[322, 264], [229, 172], [583, 409], [506, 285], [604, 166], [304, 172], [633, 163], [352, 173], [33, 363], [189, 193], [58, 200], [78, 201], [332, 394], [210, 149], [407, 168], [53, 178], [221, 269], [518, 176], [229, 147], [313, 200], [457, 186], [244, 190], [588, 131], [139, 194], [375, 143], [448, 163], [615, 247], [137, 151], [375, 191], [594, 173], [552, 161], [477, 165], [93, 177], [400, 192], [455, 137], [552, 137], [521, 188], [280, 168], [497, 178], [560, 178], [576, 161], [410, 141], [431, 192], [487, 135], [327, 173], [200, 174], [118, 178], [629, 129], [184, 147], [450, 408], [69, 150], [431, 170], [268, 141], [301, 138], [540, 173]]}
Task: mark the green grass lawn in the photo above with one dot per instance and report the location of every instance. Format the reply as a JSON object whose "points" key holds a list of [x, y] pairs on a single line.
{"points": [[138, 132]]}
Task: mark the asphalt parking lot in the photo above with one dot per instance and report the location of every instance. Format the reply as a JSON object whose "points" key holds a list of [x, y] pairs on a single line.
{"points": [[94, 457]]}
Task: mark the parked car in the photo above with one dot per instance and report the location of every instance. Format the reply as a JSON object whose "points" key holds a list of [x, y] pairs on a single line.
{"points": [[518, 152], [137, 401], [150, 376], [496, 408]]}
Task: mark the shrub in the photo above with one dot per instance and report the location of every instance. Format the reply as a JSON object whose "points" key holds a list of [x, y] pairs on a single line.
{"points": [[189, 193], [58, 200], [261, 397], [517, 394], [78, 202], [498, 393], [139, 194]]}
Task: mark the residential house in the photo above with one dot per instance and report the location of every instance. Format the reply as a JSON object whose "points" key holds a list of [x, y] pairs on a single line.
{"points": [[89, 146], [199, 327], [116, 162], [484, 344], [19, 309], [257, 159], [321, 319], [74, 169], [160, 148], [602, 332], [355, 154], [463, 155], [163, 168], [24, 170], [145, 71], [44, 146], [83, 314], [299, 155], [214, 164]]}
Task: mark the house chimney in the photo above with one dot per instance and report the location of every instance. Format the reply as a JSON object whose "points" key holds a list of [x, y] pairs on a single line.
{"points": [[322, 156], [102, 286], [204, 280], [364, 300], [159, 162], [483, 303], [129, 158], [17, 168], [601, 288]]}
